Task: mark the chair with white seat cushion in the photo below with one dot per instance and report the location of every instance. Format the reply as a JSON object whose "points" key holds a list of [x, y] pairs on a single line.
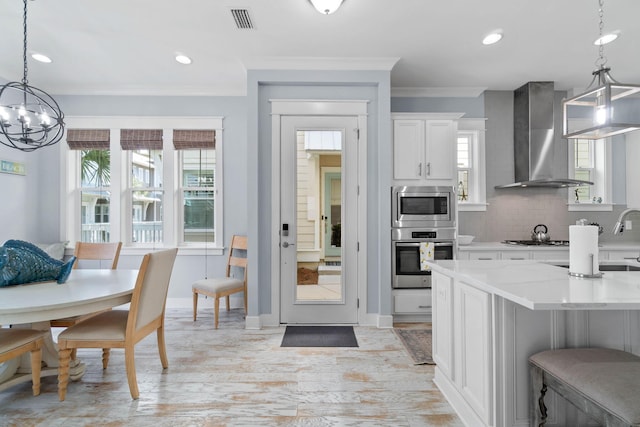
{"points": [[124, 328], [16, 342], [217, 288]]}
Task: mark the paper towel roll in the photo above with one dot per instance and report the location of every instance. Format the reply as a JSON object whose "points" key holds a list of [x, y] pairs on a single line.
{"points": [[583, 249]]}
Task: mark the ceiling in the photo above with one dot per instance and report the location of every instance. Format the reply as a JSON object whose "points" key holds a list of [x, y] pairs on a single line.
{"points": [[128, 47]]}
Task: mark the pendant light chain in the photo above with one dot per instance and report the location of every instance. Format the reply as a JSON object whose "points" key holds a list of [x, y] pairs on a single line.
{"points": [[601, 61], [24, 51]]}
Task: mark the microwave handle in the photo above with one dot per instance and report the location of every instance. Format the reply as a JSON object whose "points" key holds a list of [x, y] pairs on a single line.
{"points": [[420, 169]]}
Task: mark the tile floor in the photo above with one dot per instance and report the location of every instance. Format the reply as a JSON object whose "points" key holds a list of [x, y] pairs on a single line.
{"points": [[237, 377]]}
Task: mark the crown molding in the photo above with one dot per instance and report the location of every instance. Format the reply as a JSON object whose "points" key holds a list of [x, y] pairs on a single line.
{"points": [[437, 92]]}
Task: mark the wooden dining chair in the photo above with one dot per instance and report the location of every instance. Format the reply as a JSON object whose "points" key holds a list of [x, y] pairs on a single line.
{"points": [[109, 252], [124, 328], [16, 342], [217, 288]]}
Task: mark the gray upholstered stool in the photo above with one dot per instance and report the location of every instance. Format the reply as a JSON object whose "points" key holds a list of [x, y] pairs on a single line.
{"points": [[603, 383]]}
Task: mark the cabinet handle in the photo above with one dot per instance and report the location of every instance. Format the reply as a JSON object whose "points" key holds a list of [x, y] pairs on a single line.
{"points": [[423, 306], [485, 259], [516, 259], [429, 169], [420, 169]]}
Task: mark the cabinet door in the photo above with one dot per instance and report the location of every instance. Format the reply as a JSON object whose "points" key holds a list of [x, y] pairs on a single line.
{"points": [[442, 346], [484, 255], [515, 255], [408, 149], [412, 301], [440, 150], [473, 348]]}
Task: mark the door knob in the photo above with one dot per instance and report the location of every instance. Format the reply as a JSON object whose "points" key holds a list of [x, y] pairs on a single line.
{"points": [[287, 244]]}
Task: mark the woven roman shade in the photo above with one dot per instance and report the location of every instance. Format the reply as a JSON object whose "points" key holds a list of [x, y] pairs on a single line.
{"points": [[141, 139], [185, 139], [88, 139]]}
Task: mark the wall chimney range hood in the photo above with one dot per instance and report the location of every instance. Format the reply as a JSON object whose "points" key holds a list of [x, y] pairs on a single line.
{"points": [[533, 133]]}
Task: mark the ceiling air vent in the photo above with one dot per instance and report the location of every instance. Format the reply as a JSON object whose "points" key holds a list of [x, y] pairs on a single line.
{"points": [[242, 18]]}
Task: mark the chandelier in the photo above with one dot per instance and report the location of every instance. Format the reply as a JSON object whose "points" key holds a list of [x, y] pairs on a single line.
{"points": [[607, 107], [29, 117], [326, 7]]}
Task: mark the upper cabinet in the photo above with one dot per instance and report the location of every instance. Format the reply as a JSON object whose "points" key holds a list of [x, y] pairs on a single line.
{"points": [[424, 148]]}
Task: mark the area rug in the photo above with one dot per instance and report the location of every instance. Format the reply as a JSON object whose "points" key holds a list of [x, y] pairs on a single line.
{"points": [[417, 342], [319, 336]]}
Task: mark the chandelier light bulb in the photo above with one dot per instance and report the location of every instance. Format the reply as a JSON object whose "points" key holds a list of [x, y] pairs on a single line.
{"points": [[4, 114], [22, 112], [45, 120]]}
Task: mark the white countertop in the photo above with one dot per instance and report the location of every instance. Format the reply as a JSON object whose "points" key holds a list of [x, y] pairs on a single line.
{"points": [[540, 286]]}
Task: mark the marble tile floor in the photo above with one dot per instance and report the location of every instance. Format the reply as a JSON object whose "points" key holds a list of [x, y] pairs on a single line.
{"points": [[237, 377]]}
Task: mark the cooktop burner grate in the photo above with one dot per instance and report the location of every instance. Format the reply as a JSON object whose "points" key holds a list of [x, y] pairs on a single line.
{"points": [[537, 243]]}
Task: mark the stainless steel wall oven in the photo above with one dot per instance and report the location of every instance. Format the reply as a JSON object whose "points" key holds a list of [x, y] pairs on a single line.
{"points": [[405, 257]]}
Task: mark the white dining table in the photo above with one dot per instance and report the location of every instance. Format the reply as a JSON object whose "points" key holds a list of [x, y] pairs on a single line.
{"points": [[33, 305]]}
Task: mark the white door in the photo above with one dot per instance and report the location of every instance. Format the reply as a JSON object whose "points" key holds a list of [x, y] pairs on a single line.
{"points": [[315, 290]]}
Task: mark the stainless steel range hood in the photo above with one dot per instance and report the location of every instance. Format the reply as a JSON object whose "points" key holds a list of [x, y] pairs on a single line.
{"points": [[533, 139]]}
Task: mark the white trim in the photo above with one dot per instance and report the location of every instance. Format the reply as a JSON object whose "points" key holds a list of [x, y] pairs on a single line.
{"points": [[120, 171], [590, 207], [426, 116], [437, 92], [315, 108], [472, 207], [320, 63]]}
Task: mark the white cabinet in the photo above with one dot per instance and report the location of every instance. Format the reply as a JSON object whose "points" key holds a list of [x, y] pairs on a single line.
{"points": [[424, 149], [473, 343], [615, 255], [442, 345], [484, 255], [412, 301]]}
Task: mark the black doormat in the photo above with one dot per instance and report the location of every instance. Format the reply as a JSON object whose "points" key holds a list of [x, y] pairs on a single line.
{"points": [[319, 336]]}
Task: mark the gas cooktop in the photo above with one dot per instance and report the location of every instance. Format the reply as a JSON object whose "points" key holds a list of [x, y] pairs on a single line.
{"points": [[537, 243]]}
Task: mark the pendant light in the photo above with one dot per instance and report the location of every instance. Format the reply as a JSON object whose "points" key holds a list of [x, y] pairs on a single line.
{"points": [[326, 7], [606, 108], [29, 117]]}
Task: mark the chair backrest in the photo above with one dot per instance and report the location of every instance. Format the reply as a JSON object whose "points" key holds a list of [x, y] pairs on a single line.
{"points": [[150, 293], [238, 243], [98, 252]]}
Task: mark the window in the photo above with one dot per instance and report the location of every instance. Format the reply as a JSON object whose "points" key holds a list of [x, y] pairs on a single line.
{"points": [[138, 181], [590, 160], [471, 184], [197, 159]]}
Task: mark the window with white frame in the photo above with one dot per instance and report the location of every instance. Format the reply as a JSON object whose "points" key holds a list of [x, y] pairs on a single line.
{"points": [[471, 183], [138, 181], [590, 160]]}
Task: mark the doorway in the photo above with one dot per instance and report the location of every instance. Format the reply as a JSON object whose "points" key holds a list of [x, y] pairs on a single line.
{"points": [[318, 226]]}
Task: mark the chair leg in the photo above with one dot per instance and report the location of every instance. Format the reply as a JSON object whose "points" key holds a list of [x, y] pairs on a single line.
{"points": [[246, 310], [105, 357], [130, 365], [195, 305], [162, 348], [216, 311], [227, 301], [63, 372], [74, 352], [36, 365]]}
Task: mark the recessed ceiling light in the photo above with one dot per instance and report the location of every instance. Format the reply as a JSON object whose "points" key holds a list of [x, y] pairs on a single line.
{"points": [[607, 38], [493, 37], [183, 59], [41, 58]]}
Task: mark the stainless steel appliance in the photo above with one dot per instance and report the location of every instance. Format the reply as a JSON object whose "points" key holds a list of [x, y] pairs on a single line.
{"points": [[424, 206], [405, 257]]}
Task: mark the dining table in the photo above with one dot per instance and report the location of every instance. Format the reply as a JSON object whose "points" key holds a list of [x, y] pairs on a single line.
{"points": [[34, 305]]}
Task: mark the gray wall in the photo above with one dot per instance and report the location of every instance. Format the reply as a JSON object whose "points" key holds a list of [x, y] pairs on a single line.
{"points": [[355, 85], [32, 203], [512, 213]]}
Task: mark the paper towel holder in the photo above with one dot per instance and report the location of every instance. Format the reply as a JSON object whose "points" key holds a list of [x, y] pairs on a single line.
{"points": [[588, 276]]}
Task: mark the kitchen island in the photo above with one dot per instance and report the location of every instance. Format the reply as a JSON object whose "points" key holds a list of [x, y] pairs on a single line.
{"points": [[490, 316]]}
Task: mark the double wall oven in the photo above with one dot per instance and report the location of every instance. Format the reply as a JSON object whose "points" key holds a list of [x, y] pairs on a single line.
{"points": [[420, 215]]}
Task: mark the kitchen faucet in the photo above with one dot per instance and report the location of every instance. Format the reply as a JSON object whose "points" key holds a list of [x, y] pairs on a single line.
{"points": [[619, 227]]}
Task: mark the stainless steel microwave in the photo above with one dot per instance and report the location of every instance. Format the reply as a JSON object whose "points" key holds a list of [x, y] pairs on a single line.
{"points": [[423, 206]]}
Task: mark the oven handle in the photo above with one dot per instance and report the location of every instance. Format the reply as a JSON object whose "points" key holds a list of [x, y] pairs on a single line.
{"points": [[411, 244]]}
